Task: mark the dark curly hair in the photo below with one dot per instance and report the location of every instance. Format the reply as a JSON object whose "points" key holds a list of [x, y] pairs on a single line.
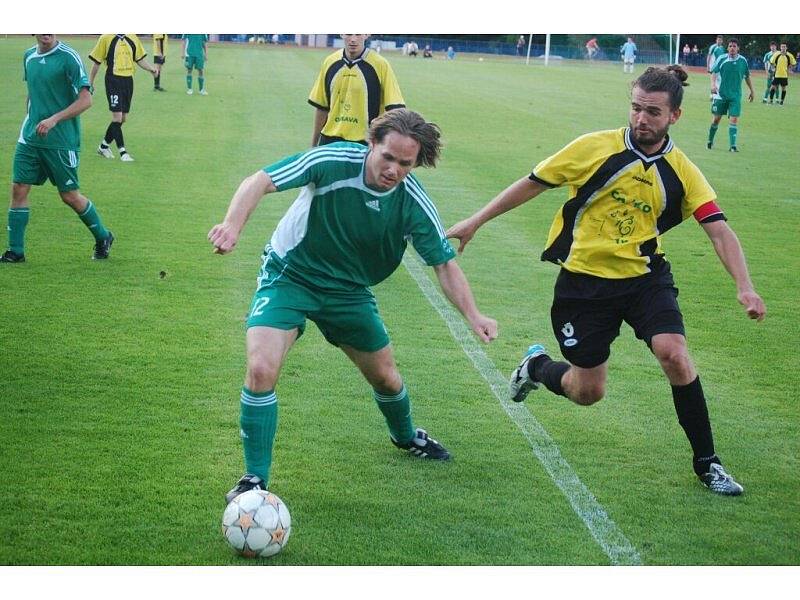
{"points": [[671, 79]]}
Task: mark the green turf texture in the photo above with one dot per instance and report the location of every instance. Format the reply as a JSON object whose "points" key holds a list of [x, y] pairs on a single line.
{"points": [[120, 388]]}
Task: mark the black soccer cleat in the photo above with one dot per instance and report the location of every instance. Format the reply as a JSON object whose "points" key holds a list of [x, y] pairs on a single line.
{"points": [[734, 149], [103, 247], [9, 256], [245, 484], [423, 446], [718, 481], [709, 145]]}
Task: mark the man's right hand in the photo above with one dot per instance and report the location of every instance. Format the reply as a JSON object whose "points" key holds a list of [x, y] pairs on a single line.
{"points": [[223, 238], [464, 231]]}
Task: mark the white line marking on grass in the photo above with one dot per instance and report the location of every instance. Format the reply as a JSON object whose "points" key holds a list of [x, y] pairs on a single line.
{"points": [[603, 529]]}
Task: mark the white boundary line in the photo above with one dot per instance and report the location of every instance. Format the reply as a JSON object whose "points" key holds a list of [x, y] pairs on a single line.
{"points": [[610, 538]]}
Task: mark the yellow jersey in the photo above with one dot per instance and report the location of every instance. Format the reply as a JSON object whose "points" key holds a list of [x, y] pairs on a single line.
{"points": [[120, 52], [354, 92], [782, 63], [160, 43], [621, 201]]}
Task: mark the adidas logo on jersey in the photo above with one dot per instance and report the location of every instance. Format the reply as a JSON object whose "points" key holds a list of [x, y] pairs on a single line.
{"points": [[374, 205]]}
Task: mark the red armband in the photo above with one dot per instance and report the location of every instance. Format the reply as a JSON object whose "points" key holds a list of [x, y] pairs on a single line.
{"points": [[710, 211]]}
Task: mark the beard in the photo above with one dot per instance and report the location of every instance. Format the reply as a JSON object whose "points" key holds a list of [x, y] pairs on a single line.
{"points": [[649, 137]]}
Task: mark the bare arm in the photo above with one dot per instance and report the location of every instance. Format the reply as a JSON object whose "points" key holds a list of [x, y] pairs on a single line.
{"points": [[455, 287], [514, 195], [82, 102], [225, 235], [145, 64], [729, 250], [749, 85], [93, 74], [320, 117]]}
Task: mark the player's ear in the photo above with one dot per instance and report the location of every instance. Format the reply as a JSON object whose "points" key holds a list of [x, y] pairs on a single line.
{"points": [[674, 116]]}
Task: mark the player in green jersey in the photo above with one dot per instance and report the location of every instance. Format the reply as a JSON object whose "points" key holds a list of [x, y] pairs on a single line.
{"points": [[715, 50], [348, 230], [626, 188], [769, 68], [732, 68], [195, 56], [49, 143]]}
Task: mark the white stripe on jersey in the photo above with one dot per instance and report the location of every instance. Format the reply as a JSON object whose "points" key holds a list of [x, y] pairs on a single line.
{"points": [[293, 225], [74, 55], [313, 157], [422, 199]]}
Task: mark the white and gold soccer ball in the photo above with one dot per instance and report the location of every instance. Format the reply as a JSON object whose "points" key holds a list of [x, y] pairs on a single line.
{"points": [[256, 523]]}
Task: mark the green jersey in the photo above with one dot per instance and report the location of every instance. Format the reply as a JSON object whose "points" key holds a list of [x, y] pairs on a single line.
{"points": [[342, 235], [714, 52], [767, 64], [54, 81], [195, 44], [731, 72]]}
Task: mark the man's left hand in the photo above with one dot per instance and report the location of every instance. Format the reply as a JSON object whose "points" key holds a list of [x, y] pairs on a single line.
{"points": [[45, 125], [753, 304], [485, 328]]}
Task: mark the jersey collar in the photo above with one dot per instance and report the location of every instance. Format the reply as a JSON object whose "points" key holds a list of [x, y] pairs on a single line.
{"points": [[360, 57], [631, 145], [48, 53]]}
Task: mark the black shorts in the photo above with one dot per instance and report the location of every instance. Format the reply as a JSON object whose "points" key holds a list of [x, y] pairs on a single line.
{"points": [[587, 312], [783, 81], [119, 91], [159, 60]]}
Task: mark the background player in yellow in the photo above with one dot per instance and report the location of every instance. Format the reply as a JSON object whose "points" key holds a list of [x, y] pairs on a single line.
{"points": [[782, 61], [160, 44], [354, 86], [121, 52], [627, 187]]}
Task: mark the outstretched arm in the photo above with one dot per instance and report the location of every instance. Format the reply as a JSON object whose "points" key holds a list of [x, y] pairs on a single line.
{"points": [[514, 195], [455, 287], [731, 255], [225, 235]]}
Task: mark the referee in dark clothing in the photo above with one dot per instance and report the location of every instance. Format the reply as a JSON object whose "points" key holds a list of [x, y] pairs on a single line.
{"points": [[120, 51]]}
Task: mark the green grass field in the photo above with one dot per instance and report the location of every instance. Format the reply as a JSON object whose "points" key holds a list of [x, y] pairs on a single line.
{"points": [[119, 388]]}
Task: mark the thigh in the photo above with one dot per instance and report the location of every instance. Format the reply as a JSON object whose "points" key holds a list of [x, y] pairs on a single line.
{"points": [[654, 310], [353, 321], [586, 318], [189, 62], [62, 168], [28, 166], [735, 107], [719, 107]]}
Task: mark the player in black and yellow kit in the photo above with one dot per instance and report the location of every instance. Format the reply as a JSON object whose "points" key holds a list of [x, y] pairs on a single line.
{"points": [[120, 52], [354, 86], [782, 61], [627, 187], [160, 43]]}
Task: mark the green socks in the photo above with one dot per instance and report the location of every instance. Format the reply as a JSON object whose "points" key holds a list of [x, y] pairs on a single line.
{"points": [[17, 222], [92, 220], [712, 131], [732, 131], [258, 420], [397, 412], [201, 81], [188, 82]]}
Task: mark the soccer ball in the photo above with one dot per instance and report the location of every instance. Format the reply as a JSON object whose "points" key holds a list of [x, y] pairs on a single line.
{"points": [[256, 523]]}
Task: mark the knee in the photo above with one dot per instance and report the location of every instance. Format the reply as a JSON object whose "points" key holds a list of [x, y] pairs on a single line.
{"points": [[589, 394], [387, 382], [262, 375], [19, 194]]}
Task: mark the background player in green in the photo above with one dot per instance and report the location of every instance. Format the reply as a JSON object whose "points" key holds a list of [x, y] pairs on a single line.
{"points": [[195, 56], [347, 230], [627, 187], [715, 50], [769, 68], [732, 68], [50, 141]]}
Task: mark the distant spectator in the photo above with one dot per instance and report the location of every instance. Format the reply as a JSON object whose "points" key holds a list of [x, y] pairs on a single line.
{"points": [[276, 39], [628, 53], [695, 56], [520, 45], [591, 48], [413, 49], [427, 53], [687, 54], [451, 54]]}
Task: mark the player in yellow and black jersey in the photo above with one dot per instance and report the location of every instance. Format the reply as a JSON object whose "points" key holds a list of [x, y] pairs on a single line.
{"points": [[121, 52], [160, 44], [627, 187], [354, 86]]}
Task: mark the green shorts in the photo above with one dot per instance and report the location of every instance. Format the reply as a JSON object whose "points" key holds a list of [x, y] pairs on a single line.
{"points": [[34, 166], [344, 318], [197, 62], [726, 106]]}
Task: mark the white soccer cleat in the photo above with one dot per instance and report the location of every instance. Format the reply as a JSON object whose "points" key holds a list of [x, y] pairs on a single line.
{"points": [[189, 92], [126, 157], [105, 152], [203, 92]]}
